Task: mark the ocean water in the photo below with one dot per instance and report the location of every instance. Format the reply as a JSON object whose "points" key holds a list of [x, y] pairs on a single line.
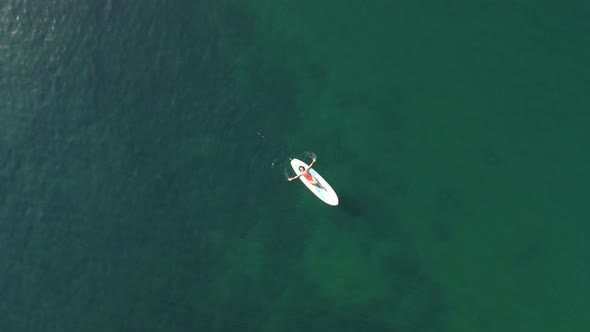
{"points": [[144, 148]]}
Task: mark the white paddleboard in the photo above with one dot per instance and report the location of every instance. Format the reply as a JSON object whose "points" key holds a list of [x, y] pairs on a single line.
{"points": [[326, 193]]}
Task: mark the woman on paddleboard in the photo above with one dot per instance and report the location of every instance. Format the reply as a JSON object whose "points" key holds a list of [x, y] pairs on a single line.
{"points": [[308, 176]]}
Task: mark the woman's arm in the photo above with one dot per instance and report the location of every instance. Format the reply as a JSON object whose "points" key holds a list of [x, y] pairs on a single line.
{"points": [[293, 178], [313, 161]]}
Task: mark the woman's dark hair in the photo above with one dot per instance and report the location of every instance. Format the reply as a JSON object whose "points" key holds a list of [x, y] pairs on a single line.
{"points": [[301, 168]]}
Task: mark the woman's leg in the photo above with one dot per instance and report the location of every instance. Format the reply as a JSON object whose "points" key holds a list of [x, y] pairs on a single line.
{"points": [[317, 184]]}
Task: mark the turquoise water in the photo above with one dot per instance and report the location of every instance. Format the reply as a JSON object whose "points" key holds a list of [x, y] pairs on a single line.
{"points": [[144, 149]]}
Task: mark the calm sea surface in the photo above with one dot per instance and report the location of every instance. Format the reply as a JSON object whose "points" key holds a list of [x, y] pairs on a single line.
{"points": [[144, 147]]}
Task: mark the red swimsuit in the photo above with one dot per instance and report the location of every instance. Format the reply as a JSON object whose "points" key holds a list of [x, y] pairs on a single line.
{"points": [[308, 176]]}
